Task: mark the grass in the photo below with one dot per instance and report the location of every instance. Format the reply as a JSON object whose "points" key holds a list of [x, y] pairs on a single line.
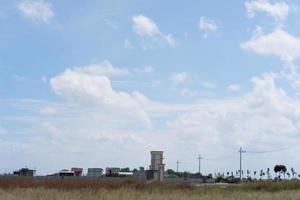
{"points": [[35, 189]]}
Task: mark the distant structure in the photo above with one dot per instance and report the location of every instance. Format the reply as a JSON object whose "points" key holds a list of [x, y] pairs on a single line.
{"points": [[140, 175], [94, 172], [77, 171], [112, 171], [25, 172], [66, 172], [157, 168]]}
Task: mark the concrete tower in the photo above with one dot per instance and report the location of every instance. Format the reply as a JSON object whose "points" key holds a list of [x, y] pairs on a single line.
{"points": [[157, 165]]}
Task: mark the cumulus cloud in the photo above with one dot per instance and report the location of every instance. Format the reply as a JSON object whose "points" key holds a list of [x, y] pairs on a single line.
{"points": [[278, 10], [146, 27], [39, 11], [264, 118], [278, 43], [88, 85], [179, 78], [243, 120]]}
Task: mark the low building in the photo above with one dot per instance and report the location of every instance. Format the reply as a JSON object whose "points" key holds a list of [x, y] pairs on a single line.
{"points": [[112, 171], [25, 172], [77, 171], [94, 172], [66, 172], [200, 179], [140, 175]]}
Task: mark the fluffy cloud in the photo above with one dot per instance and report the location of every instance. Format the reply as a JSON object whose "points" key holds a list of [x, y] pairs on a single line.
{"points": [[278, 43], [262, 119], [264, 114], [207, 25], [146, 27], [278, 10], [88, 86], [178, 78], [39, 11]]}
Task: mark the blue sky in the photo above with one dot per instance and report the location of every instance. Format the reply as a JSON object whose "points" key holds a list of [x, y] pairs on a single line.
{"points": [[105, 82]]}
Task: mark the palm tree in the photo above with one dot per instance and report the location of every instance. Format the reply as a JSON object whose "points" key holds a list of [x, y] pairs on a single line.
{"points": [[261, 174], [248, 173], [293, 172], [288, 174]]}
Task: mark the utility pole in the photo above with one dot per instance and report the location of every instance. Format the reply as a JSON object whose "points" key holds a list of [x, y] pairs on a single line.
{"points": [[241, 151], [199, 158], [177, 163]]}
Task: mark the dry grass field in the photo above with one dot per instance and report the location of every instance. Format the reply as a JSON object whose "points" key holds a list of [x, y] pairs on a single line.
{"points": [[31, 189]]}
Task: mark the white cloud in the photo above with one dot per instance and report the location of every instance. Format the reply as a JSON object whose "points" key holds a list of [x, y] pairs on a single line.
{"points": [[207, 25], [278, 43], [243, 120], [88, 86], [262, 119], [233, 87], [146, 27], [39, 11], [105, 68], [278, 10], [179, 78], [170, 40]]}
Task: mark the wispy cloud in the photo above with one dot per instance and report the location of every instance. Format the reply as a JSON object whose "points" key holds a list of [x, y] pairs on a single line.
{"points": [[39, 11], [146, 27], [207, 26], [278, 10], [179, 78]]}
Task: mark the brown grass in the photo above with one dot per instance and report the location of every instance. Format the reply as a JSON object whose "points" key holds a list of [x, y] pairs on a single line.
{"points": [[51, 189]]}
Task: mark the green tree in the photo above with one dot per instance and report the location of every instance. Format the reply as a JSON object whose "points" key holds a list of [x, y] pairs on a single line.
{"points": [[126, 169], [141, 169]]}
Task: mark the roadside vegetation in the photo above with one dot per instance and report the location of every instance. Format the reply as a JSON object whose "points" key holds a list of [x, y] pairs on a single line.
{"points": [[44, 189]]}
